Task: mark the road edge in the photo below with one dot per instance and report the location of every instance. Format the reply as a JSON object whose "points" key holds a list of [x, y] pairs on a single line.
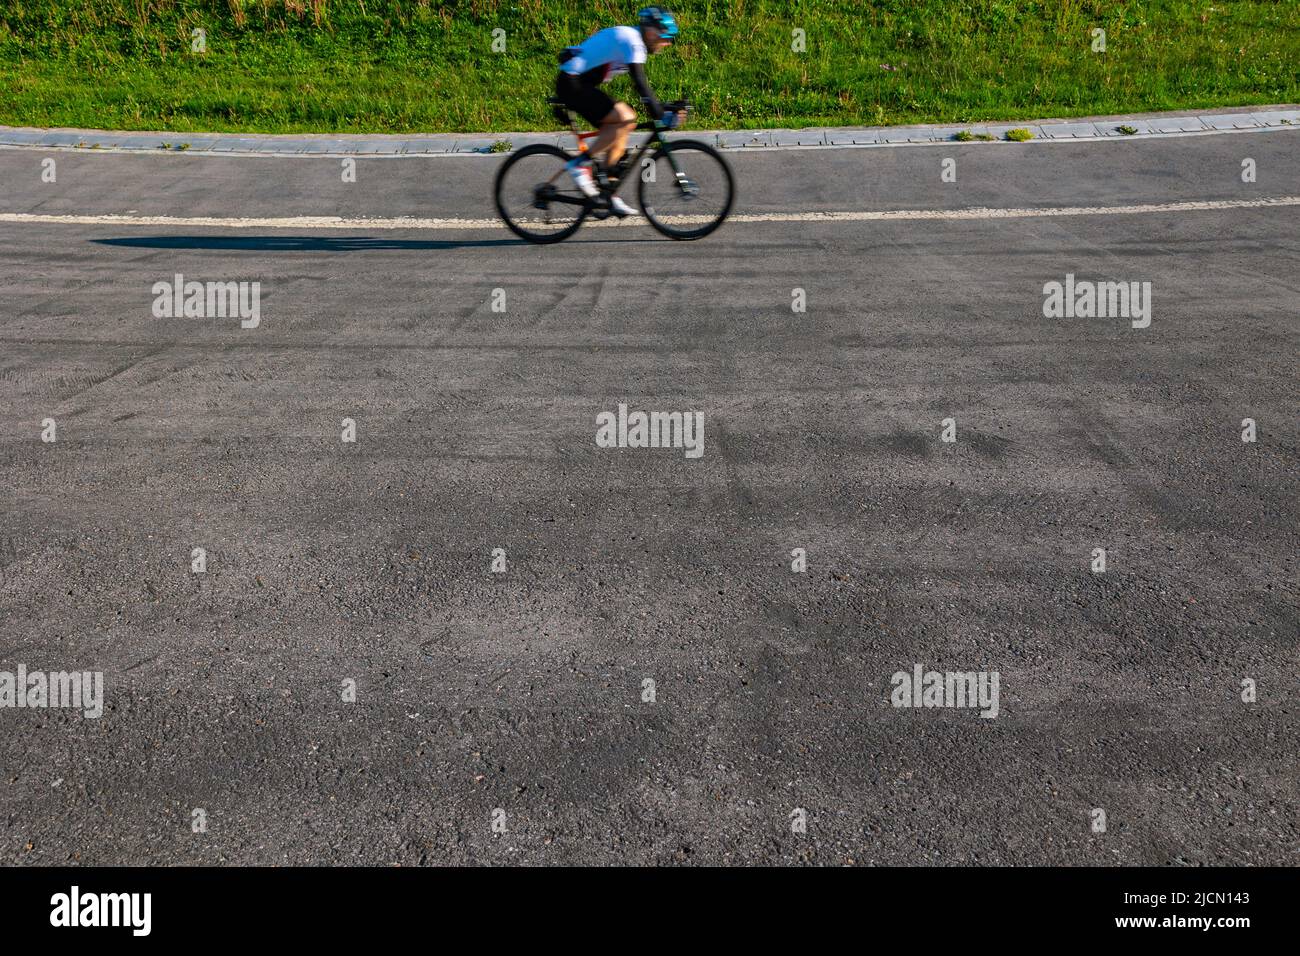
{"points": [[1115, 128]]}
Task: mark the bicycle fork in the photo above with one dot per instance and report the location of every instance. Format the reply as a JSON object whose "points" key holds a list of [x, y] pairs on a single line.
{"points": [[684, 183]]}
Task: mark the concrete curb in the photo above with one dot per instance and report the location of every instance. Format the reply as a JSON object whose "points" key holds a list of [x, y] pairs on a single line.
{"points": [[481, 144]]}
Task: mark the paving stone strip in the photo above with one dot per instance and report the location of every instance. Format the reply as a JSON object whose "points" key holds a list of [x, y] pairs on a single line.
{"points": [[487, 144]]}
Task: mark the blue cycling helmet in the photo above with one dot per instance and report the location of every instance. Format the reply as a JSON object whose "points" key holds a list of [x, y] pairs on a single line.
{"points": [[661, 18]]}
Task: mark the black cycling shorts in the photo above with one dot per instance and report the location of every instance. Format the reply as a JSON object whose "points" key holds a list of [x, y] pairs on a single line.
{"points": [[587, 100]]}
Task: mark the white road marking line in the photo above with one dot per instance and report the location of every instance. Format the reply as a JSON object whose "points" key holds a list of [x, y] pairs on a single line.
{"points": [[419, 224]]}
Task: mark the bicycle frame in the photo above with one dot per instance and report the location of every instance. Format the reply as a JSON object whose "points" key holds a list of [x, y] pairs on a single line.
{"points": [[629, 160]]}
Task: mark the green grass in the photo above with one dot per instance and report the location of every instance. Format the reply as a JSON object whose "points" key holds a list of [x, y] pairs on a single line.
{"points": [[424, 65]]}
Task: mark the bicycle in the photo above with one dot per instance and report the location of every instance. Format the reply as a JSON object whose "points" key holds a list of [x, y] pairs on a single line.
{"points": [[539, 202]]}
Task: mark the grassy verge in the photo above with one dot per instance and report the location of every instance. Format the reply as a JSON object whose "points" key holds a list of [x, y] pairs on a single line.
{"points": [[424, 65]]}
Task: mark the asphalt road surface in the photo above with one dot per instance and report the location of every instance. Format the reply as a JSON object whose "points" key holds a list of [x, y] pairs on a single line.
{"points": [[505, 716]]}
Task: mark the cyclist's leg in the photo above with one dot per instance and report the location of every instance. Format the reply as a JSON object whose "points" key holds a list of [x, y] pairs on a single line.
{"points": [[615, 128], [589, 101], [613, 121]]}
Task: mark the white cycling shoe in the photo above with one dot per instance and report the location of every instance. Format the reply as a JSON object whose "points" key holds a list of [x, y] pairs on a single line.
{"points": [[582, 178], [620, 208]]}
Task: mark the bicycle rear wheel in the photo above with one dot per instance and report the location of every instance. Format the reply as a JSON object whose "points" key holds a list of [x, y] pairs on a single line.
{"points": [[687, 190], [537, 198]]}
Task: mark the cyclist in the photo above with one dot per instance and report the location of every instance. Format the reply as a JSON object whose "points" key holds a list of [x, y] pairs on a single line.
{"points": [[608, 53]]}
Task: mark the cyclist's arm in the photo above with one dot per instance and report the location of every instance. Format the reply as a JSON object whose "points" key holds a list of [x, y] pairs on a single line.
{"points": [[637, 72]]}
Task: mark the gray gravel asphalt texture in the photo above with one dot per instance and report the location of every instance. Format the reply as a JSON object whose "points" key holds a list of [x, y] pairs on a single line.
{"points": [[522, 691]]}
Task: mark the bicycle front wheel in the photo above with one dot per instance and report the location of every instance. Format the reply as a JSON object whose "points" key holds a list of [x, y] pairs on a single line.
{"points": [[688, 189], [537, 198]]}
